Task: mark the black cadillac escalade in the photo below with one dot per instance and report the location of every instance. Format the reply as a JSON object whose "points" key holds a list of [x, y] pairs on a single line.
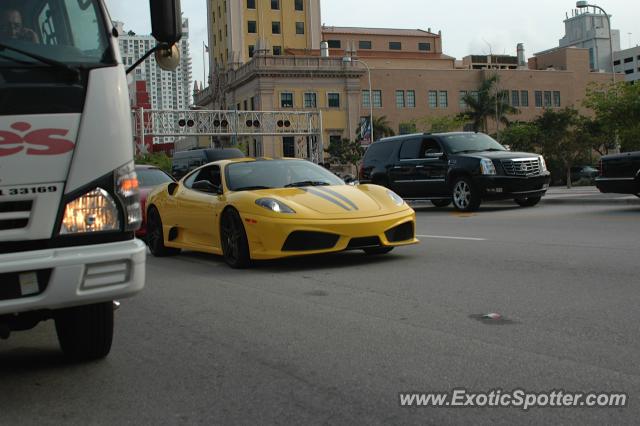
{"points": [[620, 173], [463, 167]]}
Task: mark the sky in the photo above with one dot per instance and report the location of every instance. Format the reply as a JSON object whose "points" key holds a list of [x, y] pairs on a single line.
{"points": [[468, 27]]}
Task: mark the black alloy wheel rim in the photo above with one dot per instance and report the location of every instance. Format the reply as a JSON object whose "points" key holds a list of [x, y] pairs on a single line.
{"points": [[155, 231], [231, 238]]}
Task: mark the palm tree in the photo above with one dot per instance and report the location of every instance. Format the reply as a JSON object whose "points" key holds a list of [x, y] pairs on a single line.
{"points": [[488, 103], [381, 127]]}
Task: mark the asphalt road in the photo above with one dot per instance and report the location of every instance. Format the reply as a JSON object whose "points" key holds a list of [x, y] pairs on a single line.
{"points": [[334, 339]]}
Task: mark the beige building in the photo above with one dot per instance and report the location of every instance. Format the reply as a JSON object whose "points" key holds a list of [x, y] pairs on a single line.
{"points": [[412, 79]]}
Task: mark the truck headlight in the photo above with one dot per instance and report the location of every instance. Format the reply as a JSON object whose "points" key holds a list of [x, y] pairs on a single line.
{"points": [[543, 164], [395, 197], [94, 211], [127, 189], [487, 167], [274, 205]]}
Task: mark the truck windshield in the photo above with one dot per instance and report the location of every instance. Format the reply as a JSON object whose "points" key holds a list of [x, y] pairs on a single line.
{"points": [[72, 32]]}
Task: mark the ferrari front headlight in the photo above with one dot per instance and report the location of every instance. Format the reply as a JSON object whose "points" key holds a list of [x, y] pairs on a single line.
{"points": [[95, 211], [395, 197], [274, 205]]}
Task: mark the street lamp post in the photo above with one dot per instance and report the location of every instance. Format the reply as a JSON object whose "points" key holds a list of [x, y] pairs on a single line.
{"points": [[349, 59], [585, 4]]}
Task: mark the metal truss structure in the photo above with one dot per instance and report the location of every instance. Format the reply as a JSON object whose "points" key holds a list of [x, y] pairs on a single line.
{"points": [[184, 123]]}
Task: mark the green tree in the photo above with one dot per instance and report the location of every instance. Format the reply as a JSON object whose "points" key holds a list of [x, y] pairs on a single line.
{"points": [[381, 127], [617, 109], [345, 152], [488, 104], [561, 137], [158, 159], [521, 137]]}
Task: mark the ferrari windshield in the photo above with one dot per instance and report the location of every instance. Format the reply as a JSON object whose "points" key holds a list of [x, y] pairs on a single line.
{"points": [[266, 174], [69, 31]]}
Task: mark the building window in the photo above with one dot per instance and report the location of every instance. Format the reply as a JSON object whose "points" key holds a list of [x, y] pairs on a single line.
{"points": [[366, 102], [524, 98], [616, 62], [288, 146], [433, 99], [556, 99], [377, 98], [461, 103], [246, 105], [252, 50], [238, 107], [515, 98], [364, 44], [628, 71], [443, 99], [333, 100], [627, 60], [275, 4], [251, 4], [252, 101], [299, 4], [395, 45], [299, 27], [411, 98], [538, 99], [425, 47], [277, 50], [252, 27], [334, 44], [286, 100], [547, 99], [310, 100], [275, 27], [399, 98]]}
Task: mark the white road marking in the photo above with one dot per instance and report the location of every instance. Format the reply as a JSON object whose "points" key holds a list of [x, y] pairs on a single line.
{"points": [[451, 238]]}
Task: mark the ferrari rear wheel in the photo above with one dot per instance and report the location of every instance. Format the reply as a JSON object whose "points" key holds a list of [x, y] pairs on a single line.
{"points": [[155, 236], [235, 246], [377, 250]]}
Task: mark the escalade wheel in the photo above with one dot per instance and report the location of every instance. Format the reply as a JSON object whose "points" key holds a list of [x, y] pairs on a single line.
{"points": [[85, 333], [465, 195], [528, 202]]}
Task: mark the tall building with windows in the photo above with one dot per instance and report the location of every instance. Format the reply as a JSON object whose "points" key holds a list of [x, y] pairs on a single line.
{"points": [[167, 90], [628, 62], [589, 29], [240, 28]]}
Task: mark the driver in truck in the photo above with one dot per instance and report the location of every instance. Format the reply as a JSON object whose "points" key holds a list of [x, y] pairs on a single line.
{"points": [[11, 27]]}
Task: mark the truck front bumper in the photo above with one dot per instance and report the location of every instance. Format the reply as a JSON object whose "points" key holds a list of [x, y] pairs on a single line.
{"points": [[73, 276], [509, 187]]}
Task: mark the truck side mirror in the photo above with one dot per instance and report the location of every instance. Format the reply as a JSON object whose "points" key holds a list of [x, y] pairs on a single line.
{"points": [[166, 21]]}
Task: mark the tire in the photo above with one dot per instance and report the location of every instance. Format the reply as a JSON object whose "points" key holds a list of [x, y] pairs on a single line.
{"points": [[85, 333], [155, 236], [441, 203], [465, 195], [233, 239], [528, 202], [372, 251]]}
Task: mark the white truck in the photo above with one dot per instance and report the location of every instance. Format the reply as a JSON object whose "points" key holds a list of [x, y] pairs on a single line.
{"points": [[69, 202]]}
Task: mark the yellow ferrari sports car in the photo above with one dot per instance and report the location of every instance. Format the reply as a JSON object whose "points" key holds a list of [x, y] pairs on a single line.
{"points": [[246, 209]]}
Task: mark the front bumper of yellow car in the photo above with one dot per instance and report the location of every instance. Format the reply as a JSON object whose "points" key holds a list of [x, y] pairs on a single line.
{"points": [[272, 238]]}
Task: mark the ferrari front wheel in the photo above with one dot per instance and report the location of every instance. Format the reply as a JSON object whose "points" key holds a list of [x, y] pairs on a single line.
{"points": [[155, 236], [235, 246]]}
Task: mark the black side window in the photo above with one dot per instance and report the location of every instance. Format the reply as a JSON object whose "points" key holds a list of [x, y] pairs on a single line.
{"points": [[410, 149], [211, 174], [430, 146], [379, 152]]}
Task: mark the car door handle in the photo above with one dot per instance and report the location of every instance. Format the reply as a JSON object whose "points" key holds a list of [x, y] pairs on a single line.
{"points": [[419, 167], [397, 167]]}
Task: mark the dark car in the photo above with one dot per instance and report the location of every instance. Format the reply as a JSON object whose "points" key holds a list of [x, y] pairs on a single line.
{"points": [[620, 173], [462, 167], [185, 161], [148, 178]]}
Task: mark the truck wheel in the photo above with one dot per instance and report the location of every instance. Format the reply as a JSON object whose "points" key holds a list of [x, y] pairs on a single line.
{"points": [[155, 236], [441, 203], [371, 251], [466, 197], [233, 238], [85, 333], [528, 202]]}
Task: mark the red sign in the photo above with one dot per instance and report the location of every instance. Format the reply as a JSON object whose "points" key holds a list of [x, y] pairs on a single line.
{"points": [[35, 142]]}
